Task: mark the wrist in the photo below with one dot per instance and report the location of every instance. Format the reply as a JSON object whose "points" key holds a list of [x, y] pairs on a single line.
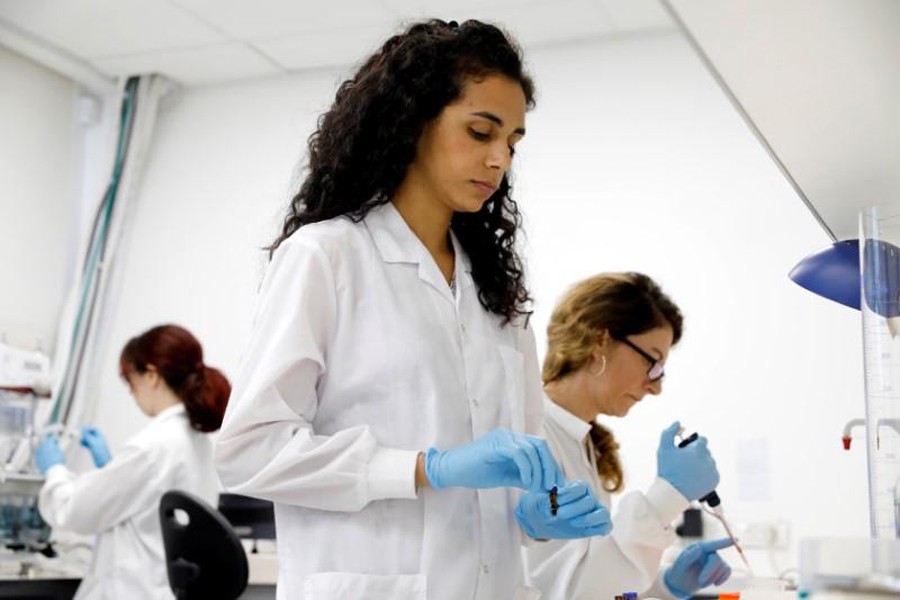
{"points": [[421, 476]]}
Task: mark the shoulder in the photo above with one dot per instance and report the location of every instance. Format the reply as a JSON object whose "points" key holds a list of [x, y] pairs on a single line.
{"points": [[162, 435], [330, 237]]}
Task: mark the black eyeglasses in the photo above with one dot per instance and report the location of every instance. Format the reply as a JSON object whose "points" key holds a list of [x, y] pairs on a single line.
{"points": [[656, 371]]}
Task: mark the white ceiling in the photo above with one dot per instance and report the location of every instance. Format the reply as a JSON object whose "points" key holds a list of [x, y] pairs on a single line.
{"points": [[819, 82], [210, 41]]}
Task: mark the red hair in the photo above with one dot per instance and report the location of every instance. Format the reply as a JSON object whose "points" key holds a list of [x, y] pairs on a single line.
{"points": [[178, 357]]}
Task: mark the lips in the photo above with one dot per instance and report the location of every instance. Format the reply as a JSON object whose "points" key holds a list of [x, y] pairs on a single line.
{"points": [[484, 186]]}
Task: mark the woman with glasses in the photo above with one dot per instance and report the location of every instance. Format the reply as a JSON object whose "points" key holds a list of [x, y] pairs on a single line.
{"points": [[608, 340]]}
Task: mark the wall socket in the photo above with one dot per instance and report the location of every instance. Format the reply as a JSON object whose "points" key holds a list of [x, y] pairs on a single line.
{"points": [[764, 535]]}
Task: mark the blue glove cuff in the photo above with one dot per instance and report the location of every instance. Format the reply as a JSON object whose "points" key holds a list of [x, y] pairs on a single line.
{"points": [[672, 589], [432, 468]]}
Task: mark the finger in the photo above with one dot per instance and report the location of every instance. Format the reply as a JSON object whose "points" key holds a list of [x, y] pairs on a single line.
{"points": [[512, 449], [571, 492], [534, 460], [709, 570], [667, 437], [578, 508], [713, 545], [689, 556], [597, 518], [724, 577], [551, 472], [712, 571]]}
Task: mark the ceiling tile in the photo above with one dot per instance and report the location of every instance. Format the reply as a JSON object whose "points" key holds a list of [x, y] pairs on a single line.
{"points": [[194, 66], [325, 48], [94, 28], [278, 18], [635, 15], [546, 22]]}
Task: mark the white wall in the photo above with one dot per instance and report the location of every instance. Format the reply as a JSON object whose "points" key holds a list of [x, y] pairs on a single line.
{"points": [[634, 160], [39, 157]]}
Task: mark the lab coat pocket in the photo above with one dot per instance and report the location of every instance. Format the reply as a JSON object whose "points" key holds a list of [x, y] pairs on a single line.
{"points": [[513, 367], [353, 586]]}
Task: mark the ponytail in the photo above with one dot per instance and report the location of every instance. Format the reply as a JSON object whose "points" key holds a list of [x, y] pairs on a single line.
{"points": [[205, 396]]}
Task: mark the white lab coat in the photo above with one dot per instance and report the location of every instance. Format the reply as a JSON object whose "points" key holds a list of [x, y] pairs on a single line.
{"points": [[627, 560], [360, 357], [120, 503]]}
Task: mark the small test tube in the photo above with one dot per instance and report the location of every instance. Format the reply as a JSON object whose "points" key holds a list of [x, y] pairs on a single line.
{"points": [[554, 506]]}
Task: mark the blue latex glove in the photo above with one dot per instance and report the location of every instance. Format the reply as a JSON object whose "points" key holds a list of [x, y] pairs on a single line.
{"points": [[691, 470], [499, 458], [580, 514], [696, 567], [93, 440], [48, 453]]}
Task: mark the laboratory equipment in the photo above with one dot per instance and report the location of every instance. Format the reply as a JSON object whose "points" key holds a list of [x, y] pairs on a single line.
{"points": [[24, 383], [880, 293], [850, 568]]}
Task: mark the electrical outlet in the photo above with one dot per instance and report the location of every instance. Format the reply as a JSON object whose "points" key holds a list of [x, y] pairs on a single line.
{"points": [[764, 535]]}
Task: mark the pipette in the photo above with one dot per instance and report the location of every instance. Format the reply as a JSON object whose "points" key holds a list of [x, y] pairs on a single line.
{"points": [[714, 503]]}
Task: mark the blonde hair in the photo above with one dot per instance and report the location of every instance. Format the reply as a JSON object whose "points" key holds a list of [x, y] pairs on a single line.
{"points": [[622, 304]]}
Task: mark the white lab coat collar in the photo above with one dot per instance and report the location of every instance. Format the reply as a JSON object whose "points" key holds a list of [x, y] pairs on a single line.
{"points": [[168, 413], [569, 423], [397, 243]]}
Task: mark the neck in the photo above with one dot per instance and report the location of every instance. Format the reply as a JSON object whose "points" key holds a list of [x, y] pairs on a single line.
{"points": [[165, 399], [573, 393], [426, 217]]}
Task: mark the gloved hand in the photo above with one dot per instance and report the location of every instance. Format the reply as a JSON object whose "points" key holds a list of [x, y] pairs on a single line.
{"points": [[499, 458], [48, 453], [580, 514], [696, 567], [691, 470], [93, 440]]}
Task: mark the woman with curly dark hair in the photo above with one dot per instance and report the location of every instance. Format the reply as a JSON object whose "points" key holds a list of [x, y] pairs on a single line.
{"points": [[393, 319]]}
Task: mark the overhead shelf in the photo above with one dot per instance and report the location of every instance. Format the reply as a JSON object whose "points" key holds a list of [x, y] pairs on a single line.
{"points": [[818, 82]]}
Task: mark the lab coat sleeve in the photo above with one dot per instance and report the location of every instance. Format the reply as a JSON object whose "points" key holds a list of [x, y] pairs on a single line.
{"points": [[267, 447], [98, 500], [626, 560], [534, 389]]}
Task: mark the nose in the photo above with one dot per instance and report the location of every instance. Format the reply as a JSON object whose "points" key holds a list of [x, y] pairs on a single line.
{"points": [[498, 156], [654, 387]]}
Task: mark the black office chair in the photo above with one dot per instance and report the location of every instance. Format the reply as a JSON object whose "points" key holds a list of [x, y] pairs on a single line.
{"points": [[204, 557]]}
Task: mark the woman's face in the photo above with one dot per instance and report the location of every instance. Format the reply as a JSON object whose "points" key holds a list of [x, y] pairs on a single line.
{"points": [[143, 387], [625, 381], [463, 154]]}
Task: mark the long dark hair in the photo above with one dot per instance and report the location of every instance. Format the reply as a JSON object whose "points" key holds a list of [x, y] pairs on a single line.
{"points": [[623, 304], [178, 357], [364, 143]]}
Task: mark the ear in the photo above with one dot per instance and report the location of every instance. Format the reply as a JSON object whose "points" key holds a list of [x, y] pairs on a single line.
{"points": [[600, 349], [604, 342], [153, 376]]}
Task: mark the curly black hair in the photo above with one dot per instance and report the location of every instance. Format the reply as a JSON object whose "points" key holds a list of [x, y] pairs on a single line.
{"points": [[363, 145]]}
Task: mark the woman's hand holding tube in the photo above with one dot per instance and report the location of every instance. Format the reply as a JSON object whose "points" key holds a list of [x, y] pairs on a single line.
{"points": [[499, 458], [691, 469], [580, 514]]}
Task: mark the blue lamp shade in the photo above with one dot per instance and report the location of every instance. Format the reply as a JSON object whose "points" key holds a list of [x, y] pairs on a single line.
{"points": [[832, 273]]}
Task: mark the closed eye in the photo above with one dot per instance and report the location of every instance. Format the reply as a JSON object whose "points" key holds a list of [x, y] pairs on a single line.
{"points": [[478, 135]]}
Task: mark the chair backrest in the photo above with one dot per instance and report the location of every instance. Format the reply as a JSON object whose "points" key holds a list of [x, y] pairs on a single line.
{"points": [[204, 557]]}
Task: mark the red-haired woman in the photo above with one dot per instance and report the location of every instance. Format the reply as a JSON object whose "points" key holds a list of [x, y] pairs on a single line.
{"points": [[164, 370]]}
